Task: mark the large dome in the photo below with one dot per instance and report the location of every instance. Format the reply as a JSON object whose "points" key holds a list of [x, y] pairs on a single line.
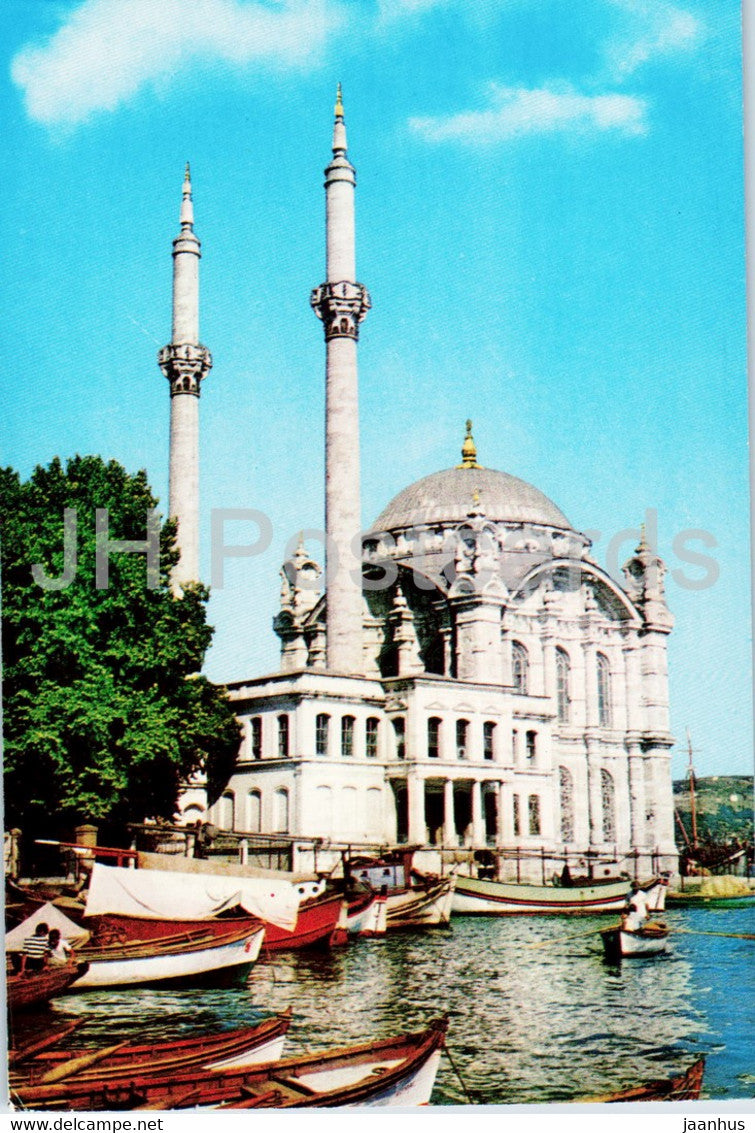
{"points": [[450, 496]]}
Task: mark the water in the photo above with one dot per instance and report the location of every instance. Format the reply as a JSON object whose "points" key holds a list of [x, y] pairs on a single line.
{"points": [[535, 1013]]}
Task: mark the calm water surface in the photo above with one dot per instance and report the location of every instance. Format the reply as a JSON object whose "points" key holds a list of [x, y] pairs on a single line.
{"points": [[536, 1015]]}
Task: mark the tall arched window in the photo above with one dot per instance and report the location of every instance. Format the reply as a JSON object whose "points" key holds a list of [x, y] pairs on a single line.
{"points": [[347, 736], [227, 811], [280, 811], [519, 667], [462, 738], [283, 737], [433, 737], [563, 683], [488, 740], [371, 735], [608, 798], [399, 735], [256, 737], [533, 811], [604, 691], [254, 812], [322, 729], [566, 784]]}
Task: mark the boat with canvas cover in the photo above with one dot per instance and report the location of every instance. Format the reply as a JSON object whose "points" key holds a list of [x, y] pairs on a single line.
{"points": [[686, 1086], [395, 1071], [483, 896], [242, 1047], [619, 942]]}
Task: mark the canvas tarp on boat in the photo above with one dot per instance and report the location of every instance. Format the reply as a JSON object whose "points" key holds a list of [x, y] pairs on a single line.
{"points": [[51, 916], [178, 896]]}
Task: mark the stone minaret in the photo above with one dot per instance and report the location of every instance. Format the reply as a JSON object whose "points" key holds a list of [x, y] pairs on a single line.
{"points": [[342, 303], [185, 362]]}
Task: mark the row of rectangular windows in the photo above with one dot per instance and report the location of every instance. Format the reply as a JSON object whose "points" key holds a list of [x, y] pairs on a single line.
{"points": [[372, 732]]}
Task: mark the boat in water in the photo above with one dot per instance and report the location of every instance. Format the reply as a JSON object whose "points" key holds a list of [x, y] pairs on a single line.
{"points": [[166, 960], [412, 899], [686, 1086], [236, 1049], [484, 896], [30, 989], [396, 1071], [620, 943]]}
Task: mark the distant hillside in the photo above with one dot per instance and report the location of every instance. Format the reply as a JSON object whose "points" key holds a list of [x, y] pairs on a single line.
{"points": [[723, 804]]}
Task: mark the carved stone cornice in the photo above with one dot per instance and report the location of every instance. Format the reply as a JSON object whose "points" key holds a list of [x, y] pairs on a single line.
{"points": [[185, 365], [341, 307]]}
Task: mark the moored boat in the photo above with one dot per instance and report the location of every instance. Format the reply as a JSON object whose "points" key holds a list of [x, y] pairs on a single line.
{"points": [[682, 900], [162, 961], [477, 895], [649, 940], [29, 989], [397, 1071], [366, 915], [422, 904], [680, 1087], [244, 1046]]}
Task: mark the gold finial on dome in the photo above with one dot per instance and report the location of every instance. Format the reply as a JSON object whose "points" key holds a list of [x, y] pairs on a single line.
{"points": [[187, 173], [643, 545], [338, 109], [469, 450]]}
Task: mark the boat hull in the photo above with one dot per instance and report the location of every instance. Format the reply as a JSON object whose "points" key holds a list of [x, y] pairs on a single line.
{"points": [[696, 901], [29, 989], [197, 961], [680, 1087], [648, 941], [478, 896], [420, 906], [315, 924]]}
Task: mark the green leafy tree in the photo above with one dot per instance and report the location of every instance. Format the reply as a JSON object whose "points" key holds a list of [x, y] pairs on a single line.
{"points": [[106, 713]]}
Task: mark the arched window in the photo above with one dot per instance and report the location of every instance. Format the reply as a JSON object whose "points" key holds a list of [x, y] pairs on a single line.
{"points": [[399, 736], [563, 685], [488, 740], [256, 737], [227, 811], [283, 737], [462, 738], [371, 732], [608, 798], [566, 784], [604, 691], [322, 729], [347, 736], [254, 812], [531, 747], [323, 810], [517, 816], [433, 737], [533, 808], [519, 667], [280, 811]]}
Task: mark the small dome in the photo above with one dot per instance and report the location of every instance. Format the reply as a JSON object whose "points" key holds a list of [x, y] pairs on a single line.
{"points": [[449, 497]]}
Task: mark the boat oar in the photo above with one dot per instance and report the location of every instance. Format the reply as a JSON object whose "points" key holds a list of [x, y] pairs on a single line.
{"points": [[563, 939], [75, 1065], [733, 935], [31, 1050], [457, 1072]]}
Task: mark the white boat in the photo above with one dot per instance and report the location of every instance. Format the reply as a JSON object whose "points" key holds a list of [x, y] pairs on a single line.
{"points": [[655, 894], [367, 916], [425, 903], [649, 940], [153, 962], [476, 895]]}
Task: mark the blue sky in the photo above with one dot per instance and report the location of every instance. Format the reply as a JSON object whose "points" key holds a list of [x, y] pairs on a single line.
{"points": [[550, 224]]}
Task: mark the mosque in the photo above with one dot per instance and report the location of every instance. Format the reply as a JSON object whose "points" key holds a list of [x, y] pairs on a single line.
{"points": [[473, 681]]}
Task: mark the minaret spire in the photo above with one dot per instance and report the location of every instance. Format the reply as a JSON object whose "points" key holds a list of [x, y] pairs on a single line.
{"points": [[185, 362], [342, 303]]}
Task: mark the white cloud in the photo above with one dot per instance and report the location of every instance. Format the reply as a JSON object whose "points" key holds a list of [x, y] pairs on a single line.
{"points": [[107, 50], [515, 112], [655, 29]]}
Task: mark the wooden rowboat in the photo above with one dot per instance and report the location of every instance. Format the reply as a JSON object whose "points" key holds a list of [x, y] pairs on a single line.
{"points": [[422, 904], [29, 989], [397, 1071], [477, 895], [244, 1046], [679, 1088], [162, 961], [649, 940]]}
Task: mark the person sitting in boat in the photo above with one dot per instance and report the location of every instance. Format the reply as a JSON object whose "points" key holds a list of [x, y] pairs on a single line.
{"points": [[35, 949], [60, 950], [636, 912]]}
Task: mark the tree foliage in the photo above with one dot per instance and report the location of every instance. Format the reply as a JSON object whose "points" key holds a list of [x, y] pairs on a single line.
{"points": [[105, 710]]}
